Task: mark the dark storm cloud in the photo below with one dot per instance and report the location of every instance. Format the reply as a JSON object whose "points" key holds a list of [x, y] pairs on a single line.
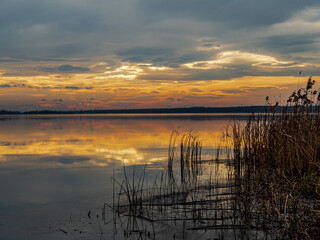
{"points": [[289, 44], [162, 32], [248, 12], [66, 68], [228, 24], [38, 29]]}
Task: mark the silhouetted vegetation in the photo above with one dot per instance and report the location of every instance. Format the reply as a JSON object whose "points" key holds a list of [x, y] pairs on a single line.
{"points": [[278, 162], [270, 189]]}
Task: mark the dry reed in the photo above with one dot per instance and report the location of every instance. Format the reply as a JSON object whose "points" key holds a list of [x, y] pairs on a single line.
{"points": [[272, 189]]}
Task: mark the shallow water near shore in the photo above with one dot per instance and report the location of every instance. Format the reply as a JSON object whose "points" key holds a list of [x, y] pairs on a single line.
{"points": [[56, 170]]}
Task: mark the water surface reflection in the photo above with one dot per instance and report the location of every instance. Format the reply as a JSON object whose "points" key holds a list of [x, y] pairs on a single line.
{"points": [[53, 169]]}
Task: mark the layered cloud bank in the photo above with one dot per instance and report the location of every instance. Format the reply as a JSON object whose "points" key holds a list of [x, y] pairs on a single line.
{"points": [[138, 53]]}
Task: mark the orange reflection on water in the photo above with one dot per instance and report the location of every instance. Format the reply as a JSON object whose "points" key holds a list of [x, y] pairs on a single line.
{"points": [[98, 140]]}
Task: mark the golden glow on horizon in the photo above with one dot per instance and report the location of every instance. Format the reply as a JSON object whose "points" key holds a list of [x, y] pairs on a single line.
{"points": [[142, 85]]}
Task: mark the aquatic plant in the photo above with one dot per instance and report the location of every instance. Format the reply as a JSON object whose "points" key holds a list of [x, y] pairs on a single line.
{"points": [[271, 189], [185, 193], [278, 161]]}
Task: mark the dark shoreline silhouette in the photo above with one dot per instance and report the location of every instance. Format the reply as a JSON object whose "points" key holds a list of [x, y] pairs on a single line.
{"points": [[245, 109]]}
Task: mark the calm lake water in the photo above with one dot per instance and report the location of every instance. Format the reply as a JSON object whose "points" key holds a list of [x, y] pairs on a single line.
{"points": [[55, 169]]}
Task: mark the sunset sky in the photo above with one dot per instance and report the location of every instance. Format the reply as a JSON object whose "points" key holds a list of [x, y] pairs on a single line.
{"points": [[116, 54]]}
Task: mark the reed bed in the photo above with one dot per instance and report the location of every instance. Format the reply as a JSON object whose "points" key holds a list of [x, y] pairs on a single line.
{"points": [[269, 189], [277, 158], [191, 192]]}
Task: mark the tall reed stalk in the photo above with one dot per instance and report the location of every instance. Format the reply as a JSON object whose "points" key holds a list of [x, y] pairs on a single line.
{"points": [[277, 158], [272, 188]]}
